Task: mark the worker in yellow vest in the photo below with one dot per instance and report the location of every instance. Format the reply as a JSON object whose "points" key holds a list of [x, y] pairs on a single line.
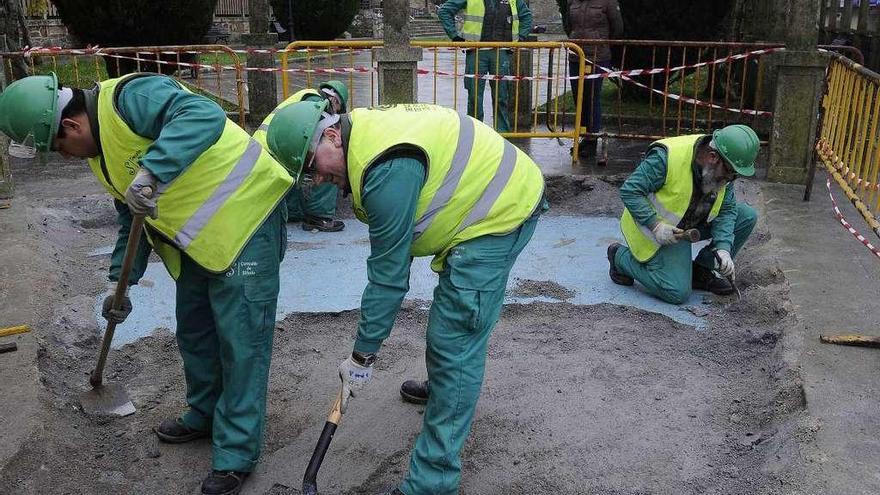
{"points": [[487, 20], [214, 219], [315, 207], [473, 209], [685, 182]]}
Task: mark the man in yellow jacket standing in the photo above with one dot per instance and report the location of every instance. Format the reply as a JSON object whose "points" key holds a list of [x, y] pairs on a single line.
{"points": [[474, 210], [214, 219]]}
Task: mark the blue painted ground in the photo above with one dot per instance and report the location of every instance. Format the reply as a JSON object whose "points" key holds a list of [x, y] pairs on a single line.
{"points": [[326, 272]]}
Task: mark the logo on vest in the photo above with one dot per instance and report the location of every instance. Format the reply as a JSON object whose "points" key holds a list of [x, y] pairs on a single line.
{"points": [[132, 163]]}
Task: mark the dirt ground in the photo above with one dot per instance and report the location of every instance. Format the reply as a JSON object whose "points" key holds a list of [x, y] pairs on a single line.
{"points": [[577, 399]]}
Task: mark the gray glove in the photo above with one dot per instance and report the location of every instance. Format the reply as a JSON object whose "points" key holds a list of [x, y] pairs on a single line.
{"points": [[725, 263], [665, 233], [116, 316], [354, 376], [138, 202]]}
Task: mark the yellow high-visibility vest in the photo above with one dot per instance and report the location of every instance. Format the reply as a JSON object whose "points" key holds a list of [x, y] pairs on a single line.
{"points": [[478, 183], [672, 200], [263, 130], [211, 210], [472, 28]]}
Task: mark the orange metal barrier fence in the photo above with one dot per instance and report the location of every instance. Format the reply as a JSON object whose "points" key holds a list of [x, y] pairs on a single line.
{"points": [[215, 71]]}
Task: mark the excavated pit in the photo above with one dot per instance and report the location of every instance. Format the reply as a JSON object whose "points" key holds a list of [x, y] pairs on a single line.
{"points": [[577, 399]]}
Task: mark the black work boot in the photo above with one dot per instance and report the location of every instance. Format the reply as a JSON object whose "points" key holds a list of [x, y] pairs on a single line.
{"points": [[223, 483], [415, 391], [322, 224], [706, 279], [174, 431], [616, 277]]}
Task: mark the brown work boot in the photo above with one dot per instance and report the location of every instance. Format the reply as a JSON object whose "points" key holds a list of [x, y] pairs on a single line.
{"points": [[415, 391], [616, 277], [174, 431], [706, 279], [223, 483]]}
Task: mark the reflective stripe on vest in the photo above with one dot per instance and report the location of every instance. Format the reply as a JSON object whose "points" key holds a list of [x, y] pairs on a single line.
{"points": [[477, 182], [260, 133], [212, 208], [672, 200], [193, 227], [472, 28]]}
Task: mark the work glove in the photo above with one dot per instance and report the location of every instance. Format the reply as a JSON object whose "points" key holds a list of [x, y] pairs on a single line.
{"points": [[354, 377], [665, 233], [725, 263], [137, 201], [116, 316]]}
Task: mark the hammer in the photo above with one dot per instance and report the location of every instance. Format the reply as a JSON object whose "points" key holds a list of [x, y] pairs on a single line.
{"points": [[691, 235]]}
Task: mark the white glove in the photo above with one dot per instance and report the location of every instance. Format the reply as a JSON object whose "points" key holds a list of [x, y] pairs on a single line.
{"points": [[139, 203], [665, 233], [725, 263], [354, 377]]}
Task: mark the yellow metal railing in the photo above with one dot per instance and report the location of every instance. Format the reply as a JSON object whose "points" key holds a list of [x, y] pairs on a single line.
{"points": [[443, 79], [848, 143]]}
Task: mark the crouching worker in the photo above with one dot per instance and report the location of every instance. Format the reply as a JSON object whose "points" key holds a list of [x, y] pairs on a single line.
{"points": [[215, 218], [685, 182], [474, 209]]}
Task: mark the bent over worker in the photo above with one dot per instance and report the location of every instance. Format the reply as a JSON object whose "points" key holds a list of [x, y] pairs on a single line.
{"points": [[214, 220], [473, 209], [685, 182], [314, 206]]}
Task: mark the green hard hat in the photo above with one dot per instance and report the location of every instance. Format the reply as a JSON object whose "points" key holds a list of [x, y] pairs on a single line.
{"points": [[738, 144], [290, 133], [27, 111], [340, 88]]}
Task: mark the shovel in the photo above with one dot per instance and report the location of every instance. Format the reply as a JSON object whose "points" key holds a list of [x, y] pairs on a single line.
{"points": [[112, 399], [310, 484]]}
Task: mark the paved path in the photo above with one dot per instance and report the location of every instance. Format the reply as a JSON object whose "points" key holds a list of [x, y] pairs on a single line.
{"points": [[834, 286]]}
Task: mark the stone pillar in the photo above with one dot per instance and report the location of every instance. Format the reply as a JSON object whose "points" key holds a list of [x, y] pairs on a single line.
{"points": [[397, 59], [262, 86], [798, 89]]}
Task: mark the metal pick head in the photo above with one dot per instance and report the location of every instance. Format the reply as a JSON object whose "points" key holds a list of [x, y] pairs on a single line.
{"points": [[107, 400]]}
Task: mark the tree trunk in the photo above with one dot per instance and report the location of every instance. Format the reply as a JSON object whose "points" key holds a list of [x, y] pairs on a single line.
{"points": [[15, 32]]}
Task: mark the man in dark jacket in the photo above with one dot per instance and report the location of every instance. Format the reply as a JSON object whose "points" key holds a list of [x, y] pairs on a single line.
{"points": [[592, 19]]}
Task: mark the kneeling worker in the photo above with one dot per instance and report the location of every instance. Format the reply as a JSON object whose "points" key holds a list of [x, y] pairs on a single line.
{"points": [[685, 182], [474, 209]]}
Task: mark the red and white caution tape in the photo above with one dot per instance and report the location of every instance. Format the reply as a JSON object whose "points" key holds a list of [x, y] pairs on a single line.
{"points": [[693, 101], [846, 224]]}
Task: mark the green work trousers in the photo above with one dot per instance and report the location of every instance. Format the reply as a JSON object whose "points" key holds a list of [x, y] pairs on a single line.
{"points": [[467, 304], [489, 63], [225, 326], [321, 203], [668, 275]]}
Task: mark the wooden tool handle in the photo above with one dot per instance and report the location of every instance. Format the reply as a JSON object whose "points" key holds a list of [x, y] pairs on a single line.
{"points": [[134, 239]]}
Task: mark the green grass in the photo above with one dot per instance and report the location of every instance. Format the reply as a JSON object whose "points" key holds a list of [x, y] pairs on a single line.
{"points": [[642, 107], [81, 74]]}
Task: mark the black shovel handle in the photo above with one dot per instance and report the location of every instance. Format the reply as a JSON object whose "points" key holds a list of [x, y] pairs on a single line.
{"points": [[310, 483]]}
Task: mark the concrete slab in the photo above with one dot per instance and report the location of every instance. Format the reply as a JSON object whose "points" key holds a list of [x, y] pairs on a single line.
{"points": [[833, 280], [326, 272]]}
